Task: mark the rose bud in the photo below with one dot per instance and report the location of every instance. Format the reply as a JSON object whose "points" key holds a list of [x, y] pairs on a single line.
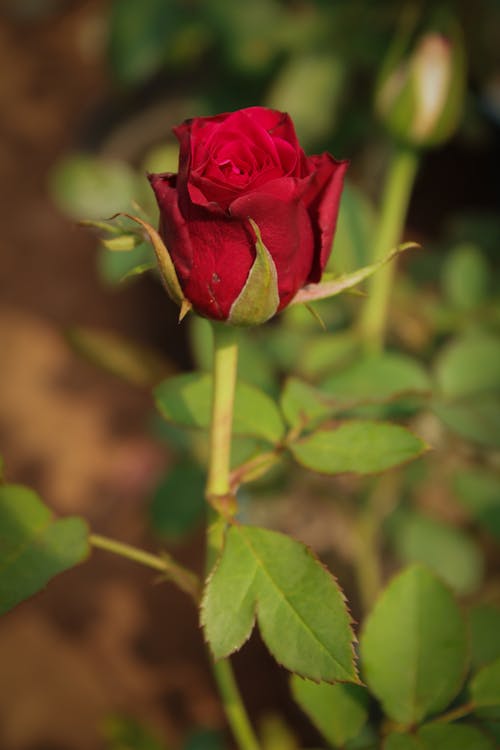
{"points": [[249, 219], [420, 97]]}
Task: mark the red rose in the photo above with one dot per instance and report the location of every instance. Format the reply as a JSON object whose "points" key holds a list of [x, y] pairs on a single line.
{"points": [[247, 209]]}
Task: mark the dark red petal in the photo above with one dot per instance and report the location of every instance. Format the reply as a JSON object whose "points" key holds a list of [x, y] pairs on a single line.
{"points": [[322, 199], [223, 253], [173, 228], [278, 124], [286, 232]]}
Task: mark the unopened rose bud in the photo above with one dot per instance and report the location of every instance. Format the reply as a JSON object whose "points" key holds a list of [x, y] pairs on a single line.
{"points": [[420, 97], [248, 220]]}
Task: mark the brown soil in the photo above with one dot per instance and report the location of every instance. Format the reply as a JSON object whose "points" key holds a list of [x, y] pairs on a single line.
{"points": [[102, 639]]}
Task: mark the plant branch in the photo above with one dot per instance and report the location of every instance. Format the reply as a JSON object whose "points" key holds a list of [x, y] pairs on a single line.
{"points": [[455, 713], [218, 490], [255, 467], [395, 200], [378, 505], [220, 495], [185, 579]]}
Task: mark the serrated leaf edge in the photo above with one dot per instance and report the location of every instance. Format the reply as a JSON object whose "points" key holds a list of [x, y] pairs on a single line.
{"points": [[425, 448], [255, 621]]}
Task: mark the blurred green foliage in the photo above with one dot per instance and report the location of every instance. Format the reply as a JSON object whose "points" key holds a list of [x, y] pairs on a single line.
{"points": [[441, 374]]}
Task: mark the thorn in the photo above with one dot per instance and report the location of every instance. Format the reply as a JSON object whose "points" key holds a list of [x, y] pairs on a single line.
{"points": [[315, 315], [186, 306]]}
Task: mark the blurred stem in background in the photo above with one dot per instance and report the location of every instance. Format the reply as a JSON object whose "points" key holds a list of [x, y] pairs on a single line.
{"points": [[377, 506], [219, 495], [396, 195]]}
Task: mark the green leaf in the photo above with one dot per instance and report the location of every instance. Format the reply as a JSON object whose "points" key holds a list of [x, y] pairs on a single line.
{"points": [[452, 737], [414, 647], [178, 501], [466, 276], [468, 377], [325, 353], [259, 298], [125, 733], [484, 625], [247, 33], [354, 232], [478, 491], [117, 267], [33, 546], [360, 447], [113, 353], [309, 86], [337, 711], [476, 419], [140, 36], [185, 401], [331, 287], [204, 739], [377, 378], [267, 576], [468, 366], [163, 157], [92, 188], [302, 403], [397, 741], [440, 737], [485, 687], [446, 550], [275, 734]]}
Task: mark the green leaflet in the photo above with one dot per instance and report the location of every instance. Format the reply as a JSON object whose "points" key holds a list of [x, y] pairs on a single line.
{"points": [[484, 625], [338, 711], [357, 446], [377, 378], [298, 605], [331, 287], [449, 551], [185, 400], [440, 737], [33, 546], [485, 687], [414, 647]]}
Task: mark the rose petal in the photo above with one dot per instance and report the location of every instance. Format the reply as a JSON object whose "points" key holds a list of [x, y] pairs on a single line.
{"points": [[322, 199], [173, 229], [286, 232], [277, 124]]}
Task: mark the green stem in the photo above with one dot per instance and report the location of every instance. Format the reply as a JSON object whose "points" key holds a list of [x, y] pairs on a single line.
{"points": [[455, 713], [379, 503], [224, 385], [185, 579], [220, 497], [395, 200], [366, 560]]}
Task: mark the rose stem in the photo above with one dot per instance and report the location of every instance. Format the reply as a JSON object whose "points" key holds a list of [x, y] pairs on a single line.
{"points": [[218, 493], [396, 195], [182, 577], [379, 502]]}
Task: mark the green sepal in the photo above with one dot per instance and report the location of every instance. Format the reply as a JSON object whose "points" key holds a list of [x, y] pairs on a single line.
{"points": [[259, 298], [331, 287], [165, 264], [122, 243]]}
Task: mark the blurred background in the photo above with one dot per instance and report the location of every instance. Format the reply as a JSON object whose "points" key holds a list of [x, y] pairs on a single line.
{"points": [[89, 91]]}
